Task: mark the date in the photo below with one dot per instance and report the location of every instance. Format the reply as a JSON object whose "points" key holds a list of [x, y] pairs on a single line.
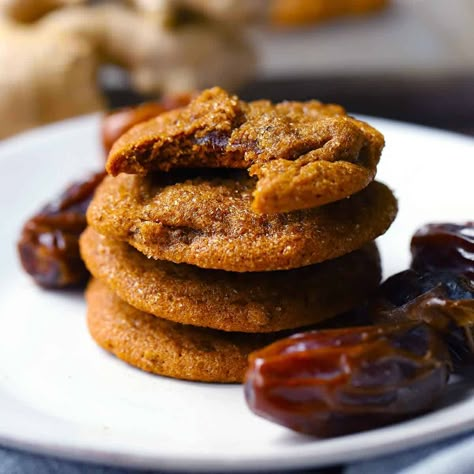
{"points": [[444, 247], [444, 300], [335, 382], [49, 243]]}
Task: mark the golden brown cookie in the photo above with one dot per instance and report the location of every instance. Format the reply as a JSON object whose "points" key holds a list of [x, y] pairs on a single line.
{"points": [[304, 154], [209, 222], [165, 348], [248, 302], [117, 122]]}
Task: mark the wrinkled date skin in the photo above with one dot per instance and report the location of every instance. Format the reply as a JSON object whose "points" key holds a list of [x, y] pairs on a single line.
{"points": [[335, 382], [444, 300], [49, 242], [439, 288], [444, 247], [117, 122]]}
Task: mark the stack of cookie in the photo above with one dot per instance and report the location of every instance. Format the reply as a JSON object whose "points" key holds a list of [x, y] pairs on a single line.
{"points": [[224, 223]]}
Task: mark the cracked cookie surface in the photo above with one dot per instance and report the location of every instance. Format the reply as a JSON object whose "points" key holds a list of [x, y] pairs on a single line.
{"points": [[248, 302], [207, 221], [303, 154]]}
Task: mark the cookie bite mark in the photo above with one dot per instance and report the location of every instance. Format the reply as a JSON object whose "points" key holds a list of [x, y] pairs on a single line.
{"points": [[303, 154], [194, 136]]}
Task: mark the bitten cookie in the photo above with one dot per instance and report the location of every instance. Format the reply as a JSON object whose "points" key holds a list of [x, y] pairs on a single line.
{"points": [[304, 154], [165, 348], [248, 302], [208, 221]]}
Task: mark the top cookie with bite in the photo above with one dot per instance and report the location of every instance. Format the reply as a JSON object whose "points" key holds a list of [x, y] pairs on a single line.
{"points": [[303, 154]]}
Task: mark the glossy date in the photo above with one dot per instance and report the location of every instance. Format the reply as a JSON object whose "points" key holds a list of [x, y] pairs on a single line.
{"points": [[49, 243], [444, 247], [444, 300], [334, 382]]}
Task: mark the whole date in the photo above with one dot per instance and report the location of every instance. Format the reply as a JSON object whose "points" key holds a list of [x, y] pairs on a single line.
{"points": [[49, 242], [334, 382], [444, 247]]}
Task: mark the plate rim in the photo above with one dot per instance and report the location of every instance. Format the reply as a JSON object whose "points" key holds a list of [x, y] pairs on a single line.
{"points": [[69, 451]]}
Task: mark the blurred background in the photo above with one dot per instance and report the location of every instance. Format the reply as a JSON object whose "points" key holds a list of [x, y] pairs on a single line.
{"points": [[411, 60]]}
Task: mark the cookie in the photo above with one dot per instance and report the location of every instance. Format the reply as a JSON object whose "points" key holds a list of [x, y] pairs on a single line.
{"points": [[117, 122], [304, 154], [248, 302], [208, 221], [165, 348]]}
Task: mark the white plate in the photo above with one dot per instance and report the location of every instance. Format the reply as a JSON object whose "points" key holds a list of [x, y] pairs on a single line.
{"points": [[61, 394]]}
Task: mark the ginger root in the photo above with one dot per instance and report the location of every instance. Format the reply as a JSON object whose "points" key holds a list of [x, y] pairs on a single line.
{"points": [[221, 10], [159, 59], [50, 66], [27, 11], [46, 76]]}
